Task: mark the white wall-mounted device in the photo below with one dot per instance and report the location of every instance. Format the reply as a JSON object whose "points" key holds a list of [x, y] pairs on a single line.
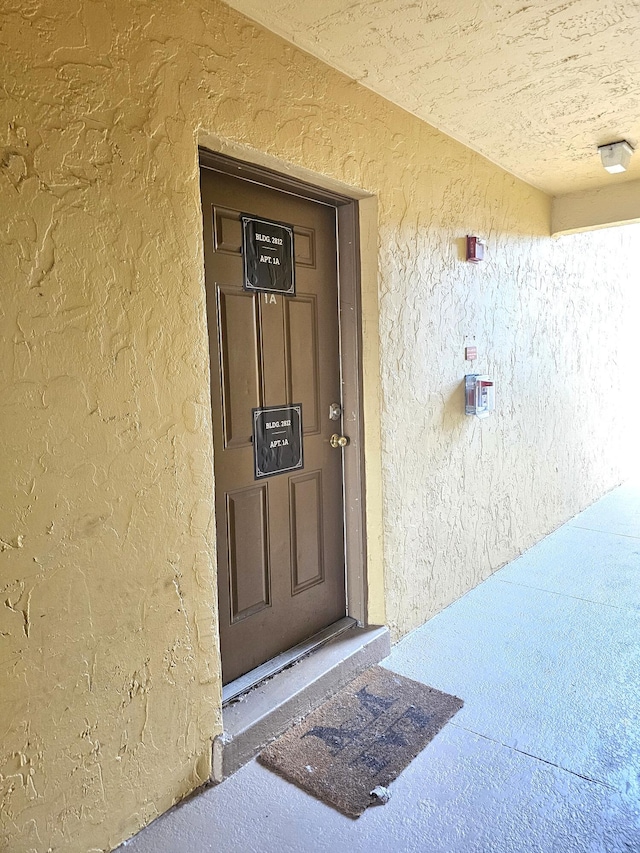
{"points": [[479, 395]]}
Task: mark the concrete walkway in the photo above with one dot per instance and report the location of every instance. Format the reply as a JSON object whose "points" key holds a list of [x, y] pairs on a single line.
{"points": [[545, 754]]}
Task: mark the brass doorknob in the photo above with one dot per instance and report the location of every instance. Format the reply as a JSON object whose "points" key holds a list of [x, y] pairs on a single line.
{"points": [[338, 440]]}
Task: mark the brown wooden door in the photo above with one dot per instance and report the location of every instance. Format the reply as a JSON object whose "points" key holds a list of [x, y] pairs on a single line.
{"points": [[281, 574]]}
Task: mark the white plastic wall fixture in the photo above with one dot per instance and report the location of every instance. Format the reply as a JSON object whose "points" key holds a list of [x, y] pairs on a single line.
{"points": [[479, 395]]}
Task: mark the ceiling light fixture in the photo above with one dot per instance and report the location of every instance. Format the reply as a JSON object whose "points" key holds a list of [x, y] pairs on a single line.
{"points": [[615, 156]]}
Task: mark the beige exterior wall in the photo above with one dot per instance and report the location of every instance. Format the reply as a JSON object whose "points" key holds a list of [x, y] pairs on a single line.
{"points": [[618, 204], [109, 682]]}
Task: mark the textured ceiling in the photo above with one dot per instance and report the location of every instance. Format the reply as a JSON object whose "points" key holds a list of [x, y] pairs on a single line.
{"points": [[533, 86]]}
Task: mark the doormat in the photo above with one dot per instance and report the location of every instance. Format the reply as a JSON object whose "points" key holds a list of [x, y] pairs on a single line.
{"points": [[360, 739]]}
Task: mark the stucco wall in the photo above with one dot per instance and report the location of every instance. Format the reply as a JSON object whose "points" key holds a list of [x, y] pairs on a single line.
{"points": [[109, 686]]}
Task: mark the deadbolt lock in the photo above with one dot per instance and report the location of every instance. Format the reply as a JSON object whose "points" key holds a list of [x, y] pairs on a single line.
{"points": [[338, 440], [335, 410]]}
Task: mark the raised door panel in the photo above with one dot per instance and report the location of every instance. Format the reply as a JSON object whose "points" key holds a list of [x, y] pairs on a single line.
{"points": [[304, 242], [240, 364], [305, 505], [227, 231], [248, 551], [301, 336]]}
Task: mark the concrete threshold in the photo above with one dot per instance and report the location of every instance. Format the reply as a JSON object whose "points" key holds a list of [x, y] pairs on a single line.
{"points": [[265, 712]]}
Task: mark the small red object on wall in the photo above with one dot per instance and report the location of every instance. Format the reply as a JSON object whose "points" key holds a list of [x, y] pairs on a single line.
{"points": [[475, 250], [470, 353]]}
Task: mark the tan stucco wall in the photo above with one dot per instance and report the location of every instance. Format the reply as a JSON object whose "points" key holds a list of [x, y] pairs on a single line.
{"points": [[618, 204], [528, 85], [109, 689]]}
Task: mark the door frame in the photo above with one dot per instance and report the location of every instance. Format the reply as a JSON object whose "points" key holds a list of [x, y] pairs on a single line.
{"points": [[350, 344]]}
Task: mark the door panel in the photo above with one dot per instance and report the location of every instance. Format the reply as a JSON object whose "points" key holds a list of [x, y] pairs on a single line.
{"points": [[240, 378], [301, 336], [227, 231], [248, 539], [281, 574], [304, 249], [305, 501]]}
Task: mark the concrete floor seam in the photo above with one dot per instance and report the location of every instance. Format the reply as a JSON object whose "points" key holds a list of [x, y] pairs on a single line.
{"points": [[536, 757], [604, 532], [572, 597]]}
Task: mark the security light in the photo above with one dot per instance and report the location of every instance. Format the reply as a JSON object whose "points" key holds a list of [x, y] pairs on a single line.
{"points": [[615, 156]]}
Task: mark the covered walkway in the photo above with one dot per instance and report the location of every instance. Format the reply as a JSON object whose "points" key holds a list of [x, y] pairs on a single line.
{"points": [[545, 754]]}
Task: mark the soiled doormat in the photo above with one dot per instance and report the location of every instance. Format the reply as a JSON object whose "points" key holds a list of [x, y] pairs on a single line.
{"points": [[361, 738]]}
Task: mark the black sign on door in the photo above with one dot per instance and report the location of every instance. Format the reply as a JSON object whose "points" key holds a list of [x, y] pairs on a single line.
{"points": [[277, 440], [267, 249]]}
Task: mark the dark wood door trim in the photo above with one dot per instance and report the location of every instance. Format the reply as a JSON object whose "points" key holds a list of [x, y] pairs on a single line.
{"points": [[351, 357], [353, 425], [270, 178]]}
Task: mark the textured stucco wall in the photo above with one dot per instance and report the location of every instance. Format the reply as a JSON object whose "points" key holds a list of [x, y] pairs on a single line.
{"points": [[600, 208], [529, 85], [109, 685]]}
